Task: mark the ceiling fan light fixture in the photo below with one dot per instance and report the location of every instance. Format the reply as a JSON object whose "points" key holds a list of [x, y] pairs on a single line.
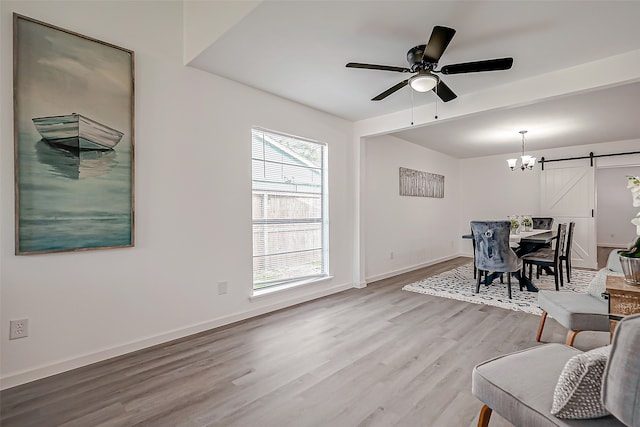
{"points": [[423, 82]]}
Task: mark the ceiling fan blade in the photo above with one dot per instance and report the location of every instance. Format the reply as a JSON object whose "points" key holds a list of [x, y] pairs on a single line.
{"points": [[477, 66], [378, 67], [444, 92], [389, 91], [438, 42]]}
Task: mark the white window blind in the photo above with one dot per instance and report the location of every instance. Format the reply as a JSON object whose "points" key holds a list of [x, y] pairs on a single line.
{"points": [[289, 204]]}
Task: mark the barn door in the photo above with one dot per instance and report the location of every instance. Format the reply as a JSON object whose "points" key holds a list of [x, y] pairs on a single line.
{"points": [[567, 193]]}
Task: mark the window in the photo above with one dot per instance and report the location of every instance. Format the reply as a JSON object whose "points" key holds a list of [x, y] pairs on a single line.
{"points": [[289, 209]]}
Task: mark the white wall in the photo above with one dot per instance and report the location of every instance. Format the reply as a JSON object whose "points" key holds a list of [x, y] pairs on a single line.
{"points": [[614, 207], [418, 230], [206, 21], [489, 190], [193, 204]]}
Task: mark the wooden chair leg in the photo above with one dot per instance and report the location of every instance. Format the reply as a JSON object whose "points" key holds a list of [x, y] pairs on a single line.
{"points": [[485, 415], [571, 337], [478, 281], [543, 318], [568, 266], [555, 276], [509, 284]]}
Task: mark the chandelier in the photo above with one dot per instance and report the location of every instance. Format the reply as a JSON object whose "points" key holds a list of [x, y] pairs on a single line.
{"points": [[526, 162]]}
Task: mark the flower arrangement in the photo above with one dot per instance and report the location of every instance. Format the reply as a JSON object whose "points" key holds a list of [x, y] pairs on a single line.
{"points": [[515, 224], [630, 259], [633, 183]]}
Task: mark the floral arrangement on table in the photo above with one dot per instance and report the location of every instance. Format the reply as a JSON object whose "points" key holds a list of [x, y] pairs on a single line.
{"points": [[633, 183], [527, 223], [515, 224], [630, 259]]}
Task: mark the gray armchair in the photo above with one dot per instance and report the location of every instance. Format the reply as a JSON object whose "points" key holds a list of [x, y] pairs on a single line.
{"points": [[520, 386], [579, 312], [492, 251]]}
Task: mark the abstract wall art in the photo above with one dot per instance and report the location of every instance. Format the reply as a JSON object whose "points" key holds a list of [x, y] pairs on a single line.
{"points": [[421, 184]]}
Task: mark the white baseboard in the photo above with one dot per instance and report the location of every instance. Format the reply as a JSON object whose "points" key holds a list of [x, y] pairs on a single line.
{"points": [[43, 371], [613, 245], [411, 268]]}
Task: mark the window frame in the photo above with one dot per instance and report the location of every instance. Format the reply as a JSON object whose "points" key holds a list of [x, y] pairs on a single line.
{"points": [[323, 220]]}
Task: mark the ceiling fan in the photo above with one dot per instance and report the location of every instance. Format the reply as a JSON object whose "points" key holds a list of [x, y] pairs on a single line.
{"points": [[423, 60]]}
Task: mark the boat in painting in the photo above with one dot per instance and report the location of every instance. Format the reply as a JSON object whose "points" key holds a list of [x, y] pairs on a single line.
{"points": [[74, 164], [77, 132]]}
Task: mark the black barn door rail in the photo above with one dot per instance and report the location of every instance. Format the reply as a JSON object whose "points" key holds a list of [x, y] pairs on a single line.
{"points": [[591, 156]]}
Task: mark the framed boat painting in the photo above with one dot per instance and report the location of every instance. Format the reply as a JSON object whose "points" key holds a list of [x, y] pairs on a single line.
{"points": [[73, 140]]}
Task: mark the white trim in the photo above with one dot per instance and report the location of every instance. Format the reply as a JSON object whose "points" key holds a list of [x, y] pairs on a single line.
{"points": [[411, 268], [270, 290], [613, 245], [43, 371]]}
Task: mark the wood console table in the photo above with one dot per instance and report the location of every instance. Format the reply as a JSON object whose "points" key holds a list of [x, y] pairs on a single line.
{"points": [[624, 299]]}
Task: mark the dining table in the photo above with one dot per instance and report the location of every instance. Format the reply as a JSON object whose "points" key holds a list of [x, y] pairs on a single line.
{"points": [[523, 243]]}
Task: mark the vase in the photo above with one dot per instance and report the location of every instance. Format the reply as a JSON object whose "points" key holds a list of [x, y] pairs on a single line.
{"points": [[515, 224], [527, 223], [631, 269]]}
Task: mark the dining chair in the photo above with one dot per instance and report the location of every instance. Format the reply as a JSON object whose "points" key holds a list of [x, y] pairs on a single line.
{"points": [[566, 253], [492, 250], [473, 242], [566, 256], [545, 258], [542, 223]]}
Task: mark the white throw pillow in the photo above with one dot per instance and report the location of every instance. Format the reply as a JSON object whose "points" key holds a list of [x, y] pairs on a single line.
{"points": [[599, 284], [577, 394]]}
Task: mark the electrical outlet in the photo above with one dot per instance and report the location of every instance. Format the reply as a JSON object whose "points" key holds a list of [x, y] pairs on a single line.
{"points": [[18, 329], [222, 288]]}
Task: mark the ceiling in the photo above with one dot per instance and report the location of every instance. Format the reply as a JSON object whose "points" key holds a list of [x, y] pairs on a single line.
{"points": [[298, 50]]}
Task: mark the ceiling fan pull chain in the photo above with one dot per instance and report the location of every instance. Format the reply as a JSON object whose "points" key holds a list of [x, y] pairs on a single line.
{"points": [[436, 116], [411, 108]]}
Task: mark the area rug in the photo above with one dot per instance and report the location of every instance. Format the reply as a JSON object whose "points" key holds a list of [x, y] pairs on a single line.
{"points": [[459, 284]]}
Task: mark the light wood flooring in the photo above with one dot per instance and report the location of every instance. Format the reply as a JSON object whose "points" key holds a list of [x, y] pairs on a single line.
{"points": [[377, 356]]}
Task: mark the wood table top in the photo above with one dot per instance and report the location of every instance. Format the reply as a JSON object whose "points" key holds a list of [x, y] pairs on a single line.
{"points": [[620, 286]]}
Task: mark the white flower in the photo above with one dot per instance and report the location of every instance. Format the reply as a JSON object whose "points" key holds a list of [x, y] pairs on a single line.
{"points": [[636, 222], [633, 183]]}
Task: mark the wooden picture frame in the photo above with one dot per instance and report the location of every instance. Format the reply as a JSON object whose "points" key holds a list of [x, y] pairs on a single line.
{"points": [[73, 140]]}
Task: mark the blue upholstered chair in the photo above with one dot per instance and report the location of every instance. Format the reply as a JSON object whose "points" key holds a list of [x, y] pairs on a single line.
{"points": [[520, 386], [492, 251]]}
